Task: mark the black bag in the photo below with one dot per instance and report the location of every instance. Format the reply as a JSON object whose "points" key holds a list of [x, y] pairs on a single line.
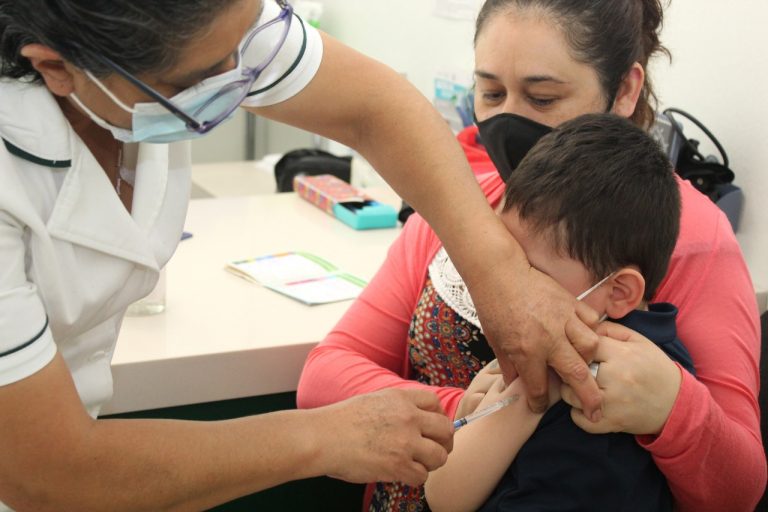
{"points": [[711, 176], [310, 162], [706, 173]]}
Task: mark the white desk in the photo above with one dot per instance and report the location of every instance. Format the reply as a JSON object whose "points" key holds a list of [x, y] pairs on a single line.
{"points": [[235, 179], [222, 337]]}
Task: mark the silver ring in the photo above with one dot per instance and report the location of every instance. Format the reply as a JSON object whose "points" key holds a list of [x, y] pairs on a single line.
{"points": [[594, 368]]}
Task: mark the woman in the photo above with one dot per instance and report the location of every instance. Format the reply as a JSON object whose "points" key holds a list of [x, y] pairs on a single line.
{"points": [[539, 63], [90, 210]]}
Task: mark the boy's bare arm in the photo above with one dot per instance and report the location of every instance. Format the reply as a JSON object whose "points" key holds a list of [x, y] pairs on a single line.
{"points": [[482, 452]]}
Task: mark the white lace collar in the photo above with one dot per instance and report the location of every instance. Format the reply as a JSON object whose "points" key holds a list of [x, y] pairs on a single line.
{"points": [[451, 288]]}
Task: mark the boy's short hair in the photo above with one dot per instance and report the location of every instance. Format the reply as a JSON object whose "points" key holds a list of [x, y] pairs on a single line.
{"points": [[605, 193]]}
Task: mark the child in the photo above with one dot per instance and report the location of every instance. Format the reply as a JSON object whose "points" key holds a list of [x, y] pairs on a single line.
{"points": [[594, 205]]}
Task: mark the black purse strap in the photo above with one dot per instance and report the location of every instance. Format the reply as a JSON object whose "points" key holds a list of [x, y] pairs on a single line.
{"points": [[706, 174], [691, 147]]}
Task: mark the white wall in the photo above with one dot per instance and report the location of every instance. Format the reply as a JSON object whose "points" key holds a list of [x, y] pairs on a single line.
{"points": [[225, 144], [719, 73], [404, 34]]}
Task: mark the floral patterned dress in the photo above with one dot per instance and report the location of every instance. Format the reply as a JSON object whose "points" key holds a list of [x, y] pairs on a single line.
{"points": [[446, 347]]}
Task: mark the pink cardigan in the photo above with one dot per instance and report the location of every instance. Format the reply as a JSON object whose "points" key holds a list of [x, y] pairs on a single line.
{"points": [[710, 449]]}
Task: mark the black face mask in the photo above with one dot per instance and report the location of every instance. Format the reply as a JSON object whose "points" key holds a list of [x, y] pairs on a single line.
{"points": [[508, 138]]}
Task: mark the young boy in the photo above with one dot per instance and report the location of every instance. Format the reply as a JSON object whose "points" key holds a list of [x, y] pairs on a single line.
{"points": [[595, 205]]}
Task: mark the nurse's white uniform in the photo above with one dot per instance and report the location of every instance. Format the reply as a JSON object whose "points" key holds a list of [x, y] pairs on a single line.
{"points": [[71, 256]]}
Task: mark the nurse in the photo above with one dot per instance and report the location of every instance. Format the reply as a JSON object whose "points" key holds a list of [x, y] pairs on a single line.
{"points": [[97, 100]]}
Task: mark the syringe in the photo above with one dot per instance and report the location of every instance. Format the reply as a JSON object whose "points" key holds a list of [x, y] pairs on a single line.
{"points": [[469, 418]]}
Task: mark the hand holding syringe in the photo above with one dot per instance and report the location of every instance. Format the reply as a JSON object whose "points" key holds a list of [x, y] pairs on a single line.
{"points": [[497, 406]]}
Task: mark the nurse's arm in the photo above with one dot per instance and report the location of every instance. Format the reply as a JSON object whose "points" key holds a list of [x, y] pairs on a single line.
{"points": [[55, 457], [526, 316]]}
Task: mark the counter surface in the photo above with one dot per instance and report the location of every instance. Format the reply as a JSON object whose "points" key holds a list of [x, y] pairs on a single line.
{"points": [[223, 337]]}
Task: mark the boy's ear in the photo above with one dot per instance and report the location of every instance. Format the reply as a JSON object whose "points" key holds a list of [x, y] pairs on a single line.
{"points": [[51, 67], [627, 288], [629, 91]]}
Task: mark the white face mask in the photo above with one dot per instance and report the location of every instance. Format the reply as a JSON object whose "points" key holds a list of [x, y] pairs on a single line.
{"points": [[152, 122]]}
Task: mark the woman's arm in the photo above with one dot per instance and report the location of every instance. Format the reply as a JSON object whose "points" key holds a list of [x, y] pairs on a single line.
{"points": [[368, 349], [56, 457], [706, 440], [482, 452], [711, 449], [676, 418], [367, 106]]}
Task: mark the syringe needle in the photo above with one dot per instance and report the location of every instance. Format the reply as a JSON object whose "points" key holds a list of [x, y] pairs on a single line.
{"points": [[457, 424]]}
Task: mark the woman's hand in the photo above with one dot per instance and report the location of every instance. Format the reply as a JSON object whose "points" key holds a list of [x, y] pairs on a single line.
{"points": [[535, 324], [638, 381], [391, 435], [499, 390], [488, 387]]}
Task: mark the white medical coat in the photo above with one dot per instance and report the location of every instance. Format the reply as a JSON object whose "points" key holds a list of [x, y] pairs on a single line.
{"points": [[72, 258]]}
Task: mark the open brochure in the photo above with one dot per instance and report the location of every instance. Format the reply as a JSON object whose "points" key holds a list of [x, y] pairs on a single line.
{"points": [[301, 276]]}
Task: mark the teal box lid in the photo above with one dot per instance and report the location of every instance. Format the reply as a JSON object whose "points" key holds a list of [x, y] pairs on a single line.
{"points": [[366, 214]]}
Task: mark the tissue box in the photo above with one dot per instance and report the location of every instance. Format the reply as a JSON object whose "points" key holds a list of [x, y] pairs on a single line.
{"points": [[343, 201]]}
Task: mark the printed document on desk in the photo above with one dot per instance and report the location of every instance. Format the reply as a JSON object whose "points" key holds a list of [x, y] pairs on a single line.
{"points": [[300, 276]]}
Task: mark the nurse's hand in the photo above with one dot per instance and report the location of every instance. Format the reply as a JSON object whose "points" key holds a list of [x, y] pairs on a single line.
{"points": [[392, 435], [638, 381], [533, 323]]}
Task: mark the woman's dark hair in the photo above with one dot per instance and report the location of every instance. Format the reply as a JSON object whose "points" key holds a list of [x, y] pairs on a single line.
{"points": [[609, 35], [605, 193], [140, 35]]}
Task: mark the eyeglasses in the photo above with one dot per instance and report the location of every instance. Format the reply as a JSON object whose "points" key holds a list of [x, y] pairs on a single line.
{"points": [[228, 99]]}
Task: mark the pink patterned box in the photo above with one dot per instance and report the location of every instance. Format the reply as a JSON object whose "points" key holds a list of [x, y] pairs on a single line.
{"points": [[326, 191]]}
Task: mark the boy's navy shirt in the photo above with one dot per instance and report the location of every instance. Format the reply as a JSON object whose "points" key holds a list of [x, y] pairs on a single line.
{"points": [[562, 468]]}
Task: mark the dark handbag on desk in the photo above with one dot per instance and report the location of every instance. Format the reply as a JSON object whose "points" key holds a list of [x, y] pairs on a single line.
{"points": [[710, 175], [310, 162]]}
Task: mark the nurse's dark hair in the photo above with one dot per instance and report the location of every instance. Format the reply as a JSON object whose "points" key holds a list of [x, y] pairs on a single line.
{"points": [[609, 35], [140, 35], [604, 193]]}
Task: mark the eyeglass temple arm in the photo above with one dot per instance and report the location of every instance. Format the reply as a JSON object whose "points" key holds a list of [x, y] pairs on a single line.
{"points": [[191, 122]]}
